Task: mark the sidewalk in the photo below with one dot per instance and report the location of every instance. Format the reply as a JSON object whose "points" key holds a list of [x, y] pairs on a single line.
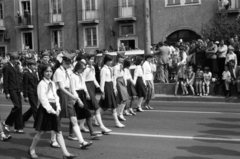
{"points": [[190, 98]]}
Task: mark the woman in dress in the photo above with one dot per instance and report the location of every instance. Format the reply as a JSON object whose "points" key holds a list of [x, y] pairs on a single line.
{"points": [[48, 115], [139, 82], [119, 84], [130, 87], [108, 98], [92, 84], [78, 88], [148, 76]]}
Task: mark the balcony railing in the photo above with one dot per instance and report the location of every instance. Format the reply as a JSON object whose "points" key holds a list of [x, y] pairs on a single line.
{"points": [[89, 16], [233, 6], [25, 21], [54, 19], [126, 13]]}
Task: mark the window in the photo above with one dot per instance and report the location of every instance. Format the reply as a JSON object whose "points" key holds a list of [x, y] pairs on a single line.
{"points": [[1, 15], [56, 10], [127, 3], [127, 29], [27, 40], [91, 37], [170, 3], [26, 6], [90, 5], [3, 50], [57, 38]]}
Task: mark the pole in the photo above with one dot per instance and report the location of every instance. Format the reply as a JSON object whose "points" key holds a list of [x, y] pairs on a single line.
{"points": [[147, 27], [77, 27], [38, 38]]}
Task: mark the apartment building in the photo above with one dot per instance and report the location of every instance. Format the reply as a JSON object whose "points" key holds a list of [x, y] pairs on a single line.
{"points": [[100, 24]]}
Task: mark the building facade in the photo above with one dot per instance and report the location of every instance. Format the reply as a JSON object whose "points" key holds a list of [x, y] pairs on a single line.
{"points": [[100, 24]]}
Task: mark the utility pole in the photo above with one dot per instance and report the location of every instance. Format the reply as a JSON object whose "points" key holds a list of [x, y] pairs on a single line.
{"points": [[147, 27]]}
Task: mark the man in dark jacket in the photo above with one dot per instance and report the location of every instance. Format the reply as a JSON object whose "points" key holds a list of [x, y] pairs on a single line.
{"points": [[13, 89], [30, 82]]}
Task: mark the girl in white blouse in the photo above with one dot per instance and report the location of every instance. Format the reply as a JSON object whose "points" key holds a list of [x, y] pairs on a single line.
{"points": [[130, 87], [92, 84], [48, 113], [139, 82], [108, 99]]}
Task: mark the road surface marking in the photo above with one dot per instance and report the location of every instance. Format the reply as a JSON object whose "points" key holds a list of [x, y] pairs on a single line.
{"points": [[158, 111], [177, 137]]}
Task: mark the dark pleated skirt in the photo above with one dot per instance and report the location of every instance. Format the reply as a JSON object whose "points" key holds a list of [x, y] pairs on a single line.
{"points": [[131, 89], [64, 101], [110, 99], [82, 113], [122, 94], [92, 103], [140, 88], [47, 122]]}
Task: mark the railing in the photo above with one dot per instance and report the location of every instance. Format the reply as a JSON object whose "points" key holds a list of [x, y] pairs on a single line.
{"points": [[55, 17], [88, 15], [126, 11], [233, 5], [24, 20]]}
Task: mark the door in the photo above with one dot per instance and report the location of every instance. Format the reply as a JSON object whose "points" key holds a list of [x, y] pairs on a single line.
{"points": [[126, 8], [2, 51], [56, 11], [91, 10]]}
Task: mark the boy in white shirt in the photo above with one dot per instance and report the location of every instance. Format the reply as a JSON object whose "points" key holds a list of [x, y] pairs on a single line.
{"points": [[226, 77]]}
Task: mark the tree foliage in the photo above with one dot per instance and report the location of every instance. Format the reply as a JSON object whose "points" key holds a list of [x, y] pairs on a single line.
{"points": [[222, 26]]}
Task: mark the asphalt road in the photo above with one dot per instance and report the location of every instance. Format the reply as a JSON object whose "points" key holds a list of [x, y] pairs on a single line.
{"points": [[173, 130]]}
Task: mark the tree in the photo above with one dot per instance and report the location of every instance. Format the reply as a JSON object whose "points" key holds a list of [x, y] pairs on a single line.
{"points": [[222, 26]]}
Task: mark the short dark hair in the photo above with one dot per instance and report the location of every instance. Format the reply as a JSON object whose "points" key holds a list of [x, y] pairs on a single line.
{"points": [[207, 69], [107, 58], [199, 67], [78, 66], [126, 63], [139, 60], [44, 68]]}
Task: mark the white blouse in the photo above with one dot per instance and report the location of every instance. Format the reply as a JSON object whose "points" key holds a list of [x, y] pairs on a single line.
{"points": [[77, 83], [127, 74], [105, 76], [117, 72], [62, 75], [147, 71], [226, 75], [47, 94], [138, 72], [89, 74]]}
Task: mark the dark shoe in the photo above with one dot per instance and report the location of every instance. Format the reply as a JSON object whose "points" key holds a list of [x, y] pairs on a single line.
{"points": [[5, 137], [33, 156], [54, 144], [106, 132], [71, 156], [84, 144]]}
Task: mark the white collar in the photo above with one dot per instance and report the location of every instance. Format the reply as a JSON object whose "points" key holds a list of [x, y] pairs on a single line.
{"points": [[47, 81]]}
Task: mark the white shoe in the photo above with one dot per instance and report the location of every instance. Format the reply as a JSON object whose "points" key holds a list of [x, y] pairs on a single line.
{"points": [[120, 125]]}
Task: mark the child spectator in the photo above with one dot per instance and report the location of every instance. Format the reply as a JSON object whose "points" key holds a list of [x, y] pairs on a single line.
{"points": [[173, 67], [207, 76], [199, 80], [226, 77], [190, 80], [180, 79]]}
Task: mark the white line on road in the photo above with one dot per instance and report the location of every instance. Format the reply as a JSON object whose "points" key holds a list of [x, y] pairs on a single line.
{"points": [[158, 111], [177, 137]]}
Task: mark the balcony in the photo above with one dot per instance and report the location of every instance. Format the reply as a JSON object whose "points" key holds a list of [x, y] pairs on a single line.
{"points": [[89, 17], [234, 7], [24, 22], [126, 13], [2, 27], [54, 20]]}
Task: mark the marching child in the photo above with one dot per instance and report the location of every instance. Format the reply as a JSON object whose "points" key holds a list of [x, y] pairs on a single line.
{"points": [[199, 80], [207, 76], [48, 113]]}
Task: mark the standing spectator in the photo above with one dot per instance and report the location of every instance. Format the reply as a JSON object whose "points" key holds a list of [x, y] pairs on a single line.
{"points": [[44, 61], [182, 57], [122, 47], [13, 90], [231, 56], [222, 53], [238, 80], [200, 53], [162, 54], [237, 47], [211, 54]]}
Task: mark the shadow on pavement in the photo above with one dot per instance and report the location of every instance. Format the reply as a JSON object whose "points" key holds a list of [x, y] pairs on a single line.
{"points": [[227, 119], [191, 157], [27, 142], [18, 154], [220, 125], [221, 132], [215, 141], [207, 150]]}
